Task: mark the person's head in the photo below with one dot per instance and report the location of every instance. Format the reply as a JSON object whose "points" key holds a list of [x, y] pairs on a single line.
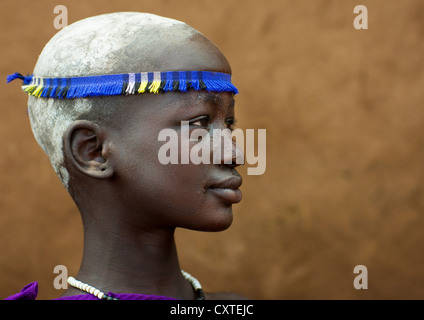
{"points": [[105, 149]]}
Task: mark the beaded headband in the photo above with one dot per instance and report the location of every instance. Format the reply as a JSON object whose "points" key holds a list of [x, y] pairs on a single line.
{"points": [[123, 84]]}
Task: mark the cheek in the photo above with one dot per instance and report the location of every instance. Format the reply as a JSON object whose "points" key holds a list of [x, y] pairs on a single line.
{"points": [[169, 195], [174, 196], [181, 181], [158, 187], [178, 185]]}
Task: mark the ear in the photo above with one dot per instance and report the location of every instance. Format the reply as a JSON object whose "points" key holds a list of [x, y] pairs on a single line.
{"points": [[85, 148]]}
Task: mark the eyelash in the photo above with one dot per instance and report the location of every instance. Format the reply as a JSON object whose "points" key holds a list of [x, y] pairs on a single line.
{"points": [[204, 121], [231, 123]]}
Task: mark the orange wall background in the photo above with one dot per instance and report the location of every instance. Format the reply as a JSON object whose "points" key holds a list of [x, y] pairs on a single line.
{"points": [[344, 183]]}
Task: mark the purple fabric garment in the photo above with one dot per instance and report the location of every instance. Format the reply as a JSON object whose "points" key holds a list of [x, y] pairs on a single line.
{"points": [[30, 291]]}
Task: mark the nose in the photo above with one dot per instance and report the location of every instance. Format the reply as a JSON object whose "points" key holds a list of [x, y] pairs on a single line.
{"points": [[237, 155], [225, 150]]}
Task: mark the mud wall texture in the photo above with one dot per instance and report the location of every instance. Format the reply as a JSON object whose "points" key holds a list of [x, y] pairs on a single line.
{"points": [[344, 182]]}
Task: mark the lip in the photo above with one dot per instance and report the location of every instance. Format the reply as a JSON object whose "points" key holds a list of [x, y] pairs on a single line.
{"points": [[227, 189]]}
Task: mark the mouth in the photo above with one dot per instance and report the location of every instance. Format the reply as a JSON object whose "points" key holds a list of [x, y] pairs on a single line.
{"points": [[227, 189]]}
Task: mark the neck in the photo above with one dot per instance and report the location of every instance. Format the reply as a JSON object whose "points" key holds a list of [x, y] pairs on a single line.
{"points": [[124, 259]]}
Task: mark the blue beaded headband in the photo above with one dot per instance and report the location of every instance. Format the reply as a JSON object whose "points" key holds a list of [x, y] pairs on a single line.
{"points": [[123, 84]]}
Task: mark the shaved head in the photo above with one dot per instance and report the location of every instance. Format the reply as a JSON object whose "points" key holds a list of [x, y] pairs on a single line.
{"points": [[124, 42]]}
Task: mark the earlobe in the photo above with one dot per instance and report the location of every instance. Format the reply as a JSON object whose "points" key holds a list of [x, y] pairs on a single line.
{"points": [[85, 148]]}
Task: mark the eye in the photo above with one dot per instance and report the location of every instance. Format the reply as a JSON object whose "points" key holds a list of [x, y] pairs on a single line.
{"points": [[202, 121], [231, 123]]}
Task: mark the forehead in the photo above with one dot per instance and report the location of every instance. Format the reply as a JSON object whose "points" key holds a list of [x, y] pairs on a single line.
{"points": [[218, 98], [201, 101], [173, 104]]}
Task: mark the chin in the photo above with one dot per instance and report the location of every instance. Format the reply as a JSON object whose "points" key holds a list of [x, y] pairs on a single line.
{"points": [[216, 221], [221, 222]]}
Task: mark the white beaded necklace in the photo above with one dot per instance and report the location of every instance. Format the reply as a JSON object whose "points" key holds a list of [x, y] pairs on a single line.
{"points": [[197, 287]]}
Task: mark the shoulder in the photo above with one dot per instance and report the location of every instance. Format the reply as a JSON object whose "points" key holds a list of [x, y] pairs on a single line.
{"points": [[224, 296]]}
